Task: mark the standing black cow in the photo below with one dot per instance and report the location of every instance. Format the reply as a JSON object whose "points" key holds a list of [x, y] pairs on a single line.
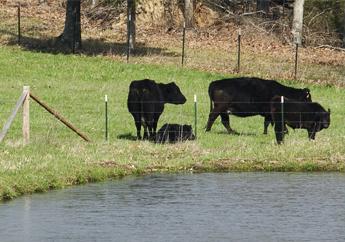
{"points": [[298, 115], [245, 97], [146, 100]]}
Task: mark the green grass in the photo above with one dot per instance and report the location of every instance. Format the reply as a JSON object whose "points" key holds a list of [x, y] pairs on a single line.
{"points": [[75, 86]]}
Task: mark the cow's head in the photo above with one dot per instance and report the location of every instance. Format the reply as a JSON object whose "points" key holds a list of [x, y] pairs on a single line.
{"points": [[172, 94], [324, 120]]}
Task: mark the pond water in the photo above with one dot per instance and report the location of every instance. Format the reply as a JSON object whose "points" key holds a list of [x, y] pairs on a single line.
{"points": [[199, 207]]}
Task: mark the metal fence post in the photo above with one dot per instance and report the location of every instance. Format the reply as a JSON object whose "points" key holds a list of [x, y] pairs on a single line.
{"points": [[106, 117], [183, 42], [19, 33], [282, 110], [239, 50], [129, 35], [195, 116]]}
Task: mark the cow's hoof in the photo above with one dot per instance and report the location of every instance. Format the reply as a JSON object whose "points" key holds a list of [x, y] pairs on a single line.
{"points": [[233, 132]]}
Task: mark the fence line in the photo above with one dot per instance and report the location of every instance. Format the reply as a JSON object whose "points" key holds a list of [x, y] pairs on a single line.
{"points": [[25, 28], [187, 114]]}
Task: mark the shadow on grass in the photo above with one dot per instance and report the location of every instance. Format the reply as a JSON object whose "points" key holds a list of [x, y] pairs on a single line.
{"points": [[236, 133], [127, 136], [90, 47]]}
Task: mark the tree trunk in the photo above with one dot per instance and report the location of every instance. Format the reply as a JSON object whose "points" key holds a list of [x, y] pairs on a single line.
{"points": [[131, 19], [297, 23], [263, 6], [344, 29], [71, 35], [189, 13]]}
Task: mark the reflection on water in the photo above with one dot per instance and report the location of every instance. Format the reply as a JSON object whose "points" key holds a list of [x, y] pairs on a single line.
{"points": [[202, 207]]}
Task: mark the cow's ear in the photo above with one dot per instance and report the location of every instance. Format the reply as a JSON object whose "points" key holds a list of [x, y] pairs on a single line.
{"points": [[329, 111]]}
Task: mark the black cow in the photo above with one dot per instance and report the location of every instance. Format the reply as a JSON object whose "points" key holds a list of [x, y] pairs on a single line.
{"points": [[146, 100], [298, 115], [173, 133], [245, 97]]}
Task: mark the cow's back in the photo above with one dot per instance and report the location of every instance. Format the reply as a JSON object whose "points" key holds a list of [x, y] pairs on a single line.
{"points": [[243, 86], [244, 96], [143, 93]]}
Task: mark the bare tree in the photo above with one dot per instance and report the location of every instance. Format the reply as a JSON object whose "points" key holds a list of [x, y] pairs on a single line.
{"points": [[71, 35], [189, 13], [344, 29], [297, 23]]}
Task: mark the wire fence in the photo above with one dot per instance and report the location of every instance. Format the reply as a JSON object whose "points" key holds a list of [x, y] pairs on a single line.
{"points": [[90, 118], [237, 50]]}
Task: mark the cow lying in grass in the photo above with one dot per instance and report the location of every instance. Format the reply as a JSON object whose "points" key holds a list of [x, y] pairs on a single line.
{"points": [[298, 115], [173, 133]]}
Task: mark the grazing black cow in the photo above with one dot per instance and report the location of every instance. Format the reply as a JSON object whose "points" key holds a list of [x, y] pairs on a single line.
{"points": [[298, 115], [245, 97], [173, 133], [146, 100]]}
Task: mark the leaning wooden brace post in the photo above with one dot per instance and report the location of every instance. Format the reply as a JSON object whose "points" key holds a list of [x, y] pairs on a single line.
{"points": [[59, 117], [26, 115]]}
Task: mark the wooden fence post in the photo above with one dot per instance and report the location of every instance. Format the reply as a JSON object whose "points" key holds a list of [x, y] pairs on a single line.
{"points": [[13, 115], [26, 115]]}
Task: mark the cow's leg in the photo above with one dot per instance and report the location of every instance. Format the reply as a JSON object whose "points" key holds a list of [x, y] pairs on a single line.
{"points": [[138, 126], [155, 123], [146, 136], [311, 133], [213, 116], [278, 131], [267, 122], [151, 132], [151, 125], [226, 122], [137, 121]]}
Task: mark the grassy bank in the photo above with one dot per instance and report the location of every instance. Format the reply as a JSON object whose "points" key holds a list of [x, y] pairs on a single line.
{"points": [[76, 85]]}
